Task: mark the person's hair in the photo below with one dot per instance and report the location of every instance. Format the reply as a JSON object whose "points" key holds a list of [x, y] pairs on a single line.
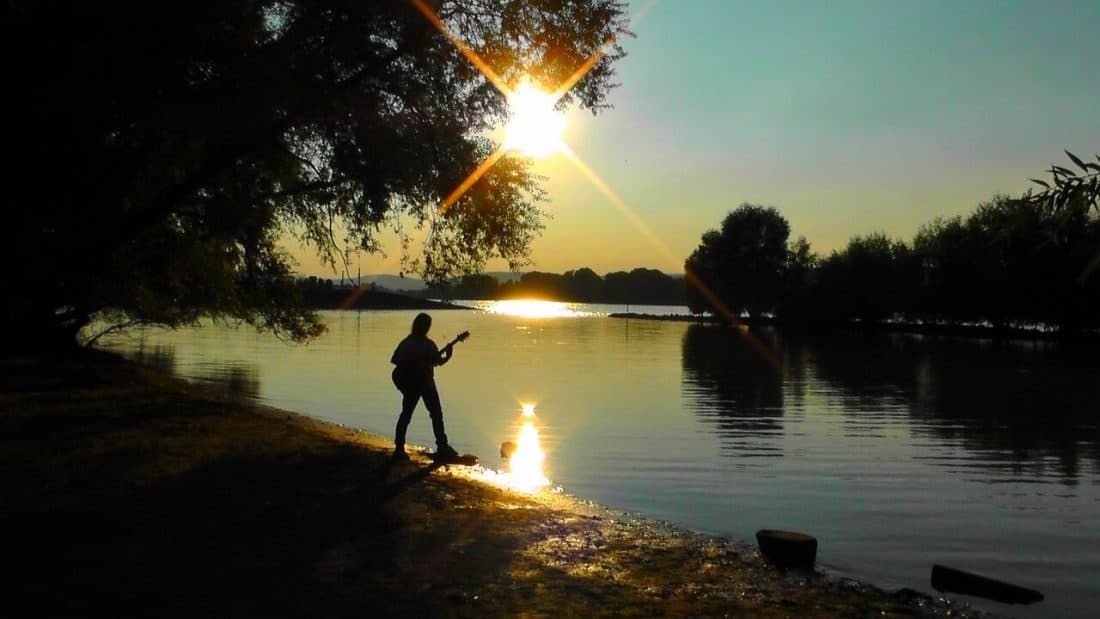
{"points": [[421, 324]]}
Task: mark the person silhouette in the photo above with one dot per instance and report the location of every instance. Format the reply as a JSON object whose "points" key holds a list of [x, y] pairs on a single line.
{"points": [[416, 358]]}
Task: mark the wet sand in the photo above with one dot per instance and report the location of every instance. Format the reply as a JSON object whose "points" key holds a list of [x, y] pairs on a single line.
{"points": [[130, 492]]}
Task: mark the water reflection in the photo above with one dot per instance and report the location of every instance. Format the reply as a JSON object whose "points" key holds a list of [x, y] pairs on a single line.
{"points": [[234, 382], [159, 356], [1023, 408], [734, 388], [237, 383]]}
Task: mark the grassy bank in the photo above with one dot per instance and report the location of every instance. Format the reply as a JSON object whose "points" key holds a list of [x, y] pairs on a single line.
{"points": [[132, 493]]}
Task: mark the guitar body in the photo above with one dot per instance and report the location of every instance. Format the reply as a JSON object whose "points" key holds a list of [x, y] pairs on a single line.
{"points": [[406, 378], [403, 379]]}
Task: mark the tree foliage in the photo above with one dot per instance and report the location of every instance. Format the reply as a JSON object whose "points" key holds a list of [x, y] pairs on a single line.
{"points": [[1069, 190], [641, 286], [1069, 196], [161, 153], [1010, 262], [871, 279], [743, 263]]}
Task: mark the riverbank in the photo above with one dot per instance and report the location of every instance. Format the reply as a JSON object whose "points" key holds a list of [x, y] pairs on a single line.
{"points": [[135, 493]]}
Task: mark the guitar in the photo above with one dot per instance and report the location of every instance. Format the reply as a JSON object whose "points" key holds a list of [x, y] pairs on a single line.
{"points": [[462, 337], [403, 377]]}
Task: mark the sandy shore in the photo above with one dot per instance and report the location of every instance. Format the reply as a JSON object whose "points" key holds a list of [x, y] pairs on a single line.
{"points": [[135, 494]]}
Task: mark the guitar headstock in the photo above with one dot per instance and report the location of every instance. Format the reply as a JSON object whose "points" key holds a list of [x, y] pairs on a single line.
{"points": [[462, 336]]}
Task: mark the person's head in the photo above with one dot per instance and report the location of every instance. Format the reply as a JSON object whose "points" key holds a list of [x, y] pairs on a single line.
{"points": [[421, 324]]}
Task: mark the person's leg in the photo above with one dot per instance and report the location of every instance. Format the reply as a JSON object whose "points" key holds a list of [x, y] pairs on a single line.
{"points": [[409, 398], [435, 411]]}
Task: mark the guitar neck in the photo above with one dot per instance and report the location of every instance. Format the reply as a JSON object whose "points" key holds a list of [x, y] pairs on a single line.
{"points": [[461, 337]]}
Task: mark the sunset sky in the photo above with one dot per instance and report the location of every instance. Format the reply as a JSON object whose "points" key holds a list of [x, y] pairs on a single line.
{"points": [[849, 117]]}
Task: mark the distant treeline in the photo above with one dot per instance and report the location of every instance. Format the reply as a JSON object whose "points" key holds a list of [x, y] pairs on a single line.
{"points": [[642, 286], [323, 294], [1009, 263]]}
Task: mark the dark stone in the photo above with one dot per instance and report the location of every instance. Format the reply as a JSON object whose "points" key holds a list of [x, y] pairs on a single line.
{"points": [[788, 549], [950, 580]]}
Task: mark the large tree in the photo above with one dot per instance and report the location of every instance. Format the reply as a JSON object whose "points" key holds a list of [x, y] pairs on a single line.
{"points": [[742, 265], [161, 151]]}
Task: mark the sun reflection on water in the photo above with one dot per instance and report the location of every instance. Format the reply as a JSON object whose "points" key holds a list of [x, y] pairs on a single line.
{"points": [[531, 308], [525, 466], [524, 470]]}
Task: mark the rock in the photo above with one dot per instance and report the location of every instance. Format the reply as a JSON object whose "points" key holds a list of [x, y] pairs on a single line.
{"points": [[788, 549], [950, 580]]}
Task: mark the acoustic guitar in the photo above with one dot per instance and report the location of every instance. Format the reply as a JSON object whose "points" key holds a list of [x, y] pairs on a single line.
{"points": [[404, 378]]}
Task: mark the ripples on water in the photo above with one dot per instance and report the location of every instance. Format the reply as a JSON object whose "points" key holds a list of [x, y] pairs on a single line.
{"points": [[896, 451]]}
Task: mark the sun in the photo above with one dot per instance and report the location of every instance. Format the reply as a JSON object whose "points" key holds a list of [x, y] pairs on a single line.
{"points": [[535, 128]]}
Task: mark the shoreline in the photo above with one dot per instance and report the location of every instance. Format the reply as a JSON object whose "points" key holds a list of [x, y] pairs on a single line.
{"points": [[137, 482], [929, 329]]}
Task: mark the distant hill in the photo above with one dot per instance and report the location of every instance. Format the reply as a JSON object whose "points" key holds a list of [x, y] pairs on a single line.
{"points": [[395, 282], [415, 284], [505, 276], [342, 298]]}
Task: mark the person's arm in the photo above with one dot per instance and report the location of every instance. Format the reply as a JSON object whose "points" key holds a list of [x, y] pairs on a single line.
{"points": [[446, 354]]}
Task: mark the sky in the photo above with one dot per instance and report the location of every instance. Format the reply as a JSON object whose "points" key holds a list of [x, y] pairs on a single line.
{"points": [[848, 117]]}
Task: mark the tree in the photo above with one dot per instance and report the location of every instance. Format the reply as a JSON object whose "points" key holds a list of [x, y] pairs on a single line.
{"points": [[642, 286], [584, 285], [799, 282], [1034, 261], [1070, 196], [957, 263], [872, 278], [476, 286], [162, 152], [743, 264], [539, 285]]}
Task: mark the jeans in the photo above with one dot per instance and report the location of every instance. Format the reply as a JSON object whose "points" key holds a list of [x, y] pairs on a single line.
{"points": [[424, 389]]}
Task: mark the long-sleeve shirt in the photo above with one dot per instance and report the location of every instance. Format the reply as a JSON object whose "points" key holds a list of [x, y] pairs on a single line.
{"points": [[418, 353]]}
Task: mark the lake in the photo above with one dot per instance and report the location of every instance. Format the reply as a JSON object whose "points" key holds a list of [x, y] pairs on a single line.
{"points": [[896, 451]]}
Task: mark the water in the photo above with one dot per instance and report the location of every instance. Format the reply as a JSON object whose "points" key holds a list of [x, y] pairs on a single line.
{"points": [[895, 451]]}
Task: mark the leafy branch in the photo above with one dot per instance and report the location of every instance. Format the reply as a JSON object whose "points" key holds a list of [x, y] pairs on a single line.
{"points": [[1072, 195], [1070, 190]]}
